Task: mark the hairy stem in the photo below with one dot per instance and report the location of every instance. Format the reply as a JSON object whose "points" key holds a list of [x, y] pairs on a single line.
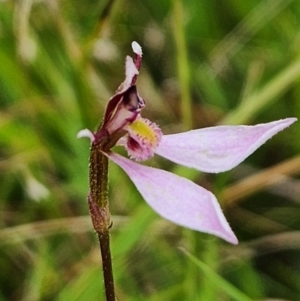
{"points": [[98, 177], [99, 211]]}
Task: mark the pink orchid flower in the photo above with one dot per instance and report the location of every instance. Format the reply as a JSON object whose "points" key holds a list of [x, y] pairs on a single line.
{"points": [[214, 149]]}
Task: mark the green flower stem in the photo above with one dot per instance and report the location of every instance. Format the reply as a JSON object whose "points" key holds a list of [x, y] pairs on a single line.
{"points": [[99, 210], [182, 65], [259, 100]]}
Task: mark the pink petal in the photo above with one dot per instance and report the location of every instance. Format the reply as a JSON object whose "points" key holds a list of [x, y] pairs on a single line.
{"points": [[130, 72], [177, 199], [220, 148]]}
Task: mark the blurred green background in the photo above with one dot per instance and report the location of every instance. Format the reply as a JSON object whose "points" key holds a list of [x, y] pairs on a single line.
{"points": [[205, 63]]}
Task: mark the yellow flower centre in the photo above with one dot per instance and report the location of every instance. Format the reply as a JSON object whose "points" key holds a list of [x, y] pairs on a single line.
{"points": [[143, 136], [144, 129]]}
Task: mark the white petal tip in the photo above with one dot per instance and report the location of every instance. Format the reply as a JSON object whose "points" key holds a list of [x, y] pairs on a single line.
{"points": [[137, 49], [233, 240], [86, 134]]}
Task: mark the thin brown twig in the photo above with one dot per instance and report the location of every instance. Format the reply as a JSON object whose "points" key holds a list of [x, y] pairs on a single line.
{"points": [[43, 229], [262, 246], [260, 180]]}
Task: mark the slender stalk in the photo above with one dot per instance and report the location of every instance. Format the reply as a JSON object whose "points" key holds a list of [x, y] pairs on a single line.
{"points": [[99, 211], [182, 65], [107, 266]]}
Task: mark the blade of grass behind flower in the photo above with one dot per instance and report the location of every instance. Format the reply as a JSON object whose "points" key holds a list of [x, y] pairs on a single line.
{"points": [[210, 257], [131, 233], [182, 64], [35, 278], [207, 84], [259, 100], [13, 80], [217, 280], [252, 283], [83, 287], [254, 21]]}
